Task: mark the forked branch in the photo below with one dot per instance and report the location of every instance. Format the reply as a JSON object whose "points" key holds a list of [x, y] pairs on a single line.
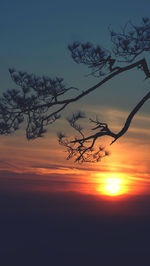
{"points": [[84, 149]]}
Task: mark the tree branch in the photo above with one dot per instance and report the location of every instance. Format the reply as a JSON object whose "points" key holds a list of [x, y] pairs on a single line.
{"points": [[83, 150], [131, 116]]}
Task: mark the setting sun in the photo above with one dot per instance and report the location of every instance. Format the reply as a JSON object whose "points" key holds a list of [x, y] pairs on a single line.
{"points": [[113, 185]]}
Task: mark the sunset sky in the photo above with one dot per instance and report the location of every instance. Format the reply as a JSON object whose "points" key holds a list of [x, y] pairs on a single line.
{"points": [[46, 200]]}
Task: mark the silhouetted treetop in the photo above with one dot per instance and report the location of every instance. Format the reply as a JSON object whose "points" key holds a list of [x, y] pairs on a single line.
{"points": [[32, 100], [132, 40], [95, 57]]}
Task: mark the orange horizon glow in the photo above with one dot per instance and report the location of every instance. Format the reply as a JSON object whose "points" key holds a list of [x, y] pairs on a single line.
{"points": [[126, 172], [115, 185]]}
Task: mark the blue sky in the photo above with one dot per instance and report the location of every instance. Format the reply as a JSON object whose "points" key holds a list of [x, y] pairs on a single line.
{"points": [[35, 34]]}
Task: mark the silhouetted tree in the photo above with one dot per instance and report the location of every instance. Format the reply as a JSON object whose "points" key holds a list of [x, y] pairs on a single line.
{"points": [[39, 100]]}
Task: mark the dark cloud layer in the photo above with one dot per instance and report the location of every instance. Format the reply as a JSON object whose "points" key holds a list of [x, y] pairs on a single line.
{"points": [[73, 229]]}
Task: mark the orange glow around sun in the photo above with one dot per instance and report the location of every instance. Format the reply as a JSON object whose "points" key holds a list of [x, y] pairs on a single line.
{"points": [[113, 185]]}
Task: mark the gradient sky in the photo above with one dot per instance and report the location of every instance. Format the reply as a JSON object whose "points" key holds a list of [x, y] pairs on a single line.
{"points": [[34, 38]]}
